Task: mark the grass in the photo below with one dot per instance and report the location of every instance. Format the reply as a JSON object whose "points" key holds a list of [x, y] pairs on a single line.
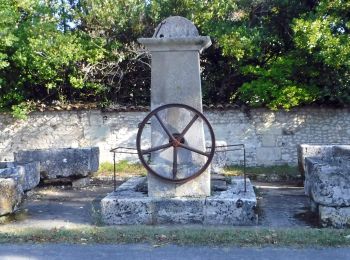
{"points": [[280, 172], [122, 168], [222, 236]]}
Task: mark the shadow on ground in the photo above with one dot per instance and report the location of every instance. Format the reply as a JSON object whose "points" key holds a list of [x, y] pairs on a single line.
{"points": [[283, 205]]}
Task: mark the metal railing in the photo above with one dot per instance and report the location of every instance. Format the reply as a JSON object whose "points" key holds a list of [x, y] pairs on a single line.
{"points": [[225, 148]]}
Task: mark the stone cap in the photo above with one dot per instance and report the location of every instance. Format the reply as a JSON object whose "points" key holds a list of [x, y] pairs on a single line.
{"points": [[176, 33], [176, 44], [175, 27]]}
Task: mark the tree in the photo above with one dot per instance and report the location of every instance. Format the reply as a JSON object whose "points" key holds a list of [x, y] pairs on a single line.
{"points": [[273, 53]]}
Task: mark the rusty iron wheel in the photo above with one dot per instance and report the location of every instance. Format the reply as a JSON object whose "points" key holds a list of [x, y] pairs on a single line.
{"points": [[176, 140]]}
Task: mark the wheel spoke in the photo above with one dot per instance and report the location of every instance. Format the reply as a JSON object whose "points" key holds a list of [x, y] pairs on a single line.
{"points": [[188, 126], [175, 163], [153, 149], [194, 150], [164, 127]]}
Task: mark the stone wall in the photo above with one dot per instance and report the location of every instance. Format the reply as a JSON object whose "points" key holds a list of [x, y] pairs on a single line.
{"points": [[270, 137]]}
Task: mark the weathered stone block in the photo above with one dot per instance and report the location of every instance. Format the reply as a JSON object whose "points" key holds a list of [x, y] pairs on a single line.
{"points": [[126, 211], [233, 206], [311, 150], [128, 205], [27, 174], [218, 182], [82, 182], [328, 184], [62, 162], [11, 195], [178, 211], [335, 217]]}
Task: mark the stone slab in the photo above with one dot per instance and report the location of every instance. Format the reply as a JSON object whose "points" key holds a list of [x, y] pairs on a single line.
{"points": [[127, 206], [62, 162]]}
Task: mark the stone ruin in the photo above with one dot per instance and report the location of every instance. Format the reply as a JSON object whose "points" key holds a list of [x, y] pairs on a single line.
{"points": [[326, 169], [32, 166], [175, 79]]}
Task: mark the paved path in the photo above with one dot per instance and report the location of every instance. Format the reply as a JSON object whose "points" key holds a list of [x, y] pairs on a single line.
{"points": [[169, 252], [62, 206], [283, 205]]}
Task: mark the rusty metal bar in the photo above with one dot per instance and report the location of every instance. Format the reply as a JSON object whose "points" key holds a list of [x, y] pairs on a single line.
{"points": [[131, 150], [114, 173], [119, 149], [241, 147]]}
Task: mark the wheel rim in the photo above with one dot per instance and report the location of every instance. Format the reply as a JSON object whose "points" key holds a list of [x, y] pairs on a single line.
{"points": [[176, 140]]}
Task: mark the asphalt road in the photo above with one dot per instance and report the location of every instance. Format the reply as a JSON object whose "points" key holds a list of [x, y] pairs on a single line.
{"points": [[143, 251]]}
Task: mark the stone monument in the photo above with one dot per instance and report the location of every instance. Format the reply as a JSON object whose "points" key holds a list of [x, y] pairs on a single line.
{"points": [[175, 78], [175, 84]]}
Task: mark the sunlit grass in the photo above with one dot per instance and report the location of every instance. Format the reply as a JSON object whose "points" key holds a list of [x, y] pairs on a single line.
{"points": [[282, 172], [122, 168], [181, 235]]}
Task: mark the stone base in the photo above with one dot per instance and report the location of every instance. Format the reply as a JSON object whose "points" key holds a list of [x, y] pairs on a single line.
{"points": [[128, 205], [80, 183]]}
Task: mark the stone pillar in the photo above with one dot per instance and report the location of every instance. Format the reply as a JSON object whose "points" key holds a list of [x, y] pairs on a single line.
{"points": [[175, 49]]}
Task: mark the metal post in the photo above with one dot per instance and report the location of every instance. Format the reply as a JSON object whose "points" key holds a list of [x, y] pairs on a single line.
{"points": [[244, 172], [114, 173]]}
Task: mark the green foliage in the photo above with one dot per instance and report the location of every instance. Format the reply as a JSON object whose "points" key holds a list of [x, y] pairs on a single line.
{"points": [[324, 34], [278, 53], [280, 84], [22, 110]]}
